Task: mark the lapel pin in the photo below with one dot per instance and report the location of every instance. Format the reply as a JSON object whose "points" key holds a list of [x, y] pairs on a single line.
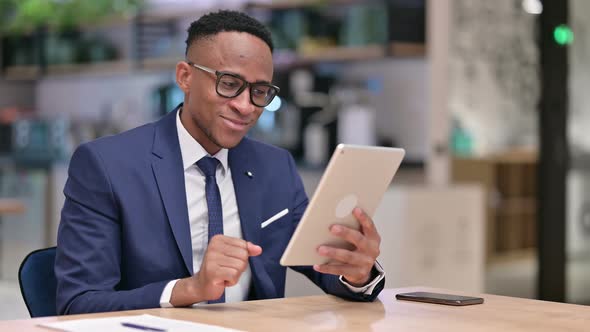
{"points": [[249, 174]]}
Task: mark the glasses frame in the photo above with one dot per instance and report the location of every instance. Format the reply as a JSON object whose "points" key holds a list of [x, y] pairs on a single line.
{"points": [[246, 84]]}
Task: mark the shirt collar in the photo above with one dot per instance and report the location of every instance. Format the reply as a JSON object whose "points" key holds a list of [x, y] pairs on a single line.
{"points": [[192, 151]]}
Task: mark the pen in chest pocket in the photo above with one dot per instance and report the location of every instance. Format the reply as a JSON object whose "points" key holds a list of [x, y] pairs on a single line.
{"points": [[274, 218]]}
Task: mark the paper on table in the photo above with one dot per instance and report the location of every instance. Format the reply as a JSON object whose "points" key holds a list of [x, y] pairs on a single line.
{"points": [[113, 324]]}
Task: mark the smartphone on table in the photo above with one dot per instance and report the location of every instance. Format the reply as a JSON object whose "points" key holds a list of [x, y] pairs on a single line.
{"points": [[448, 299]]}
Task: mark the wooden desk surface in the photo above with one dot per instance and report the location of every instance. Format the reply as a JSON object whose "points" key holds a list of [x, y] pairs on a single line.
{"points": [[328, 313], [10, 205]]}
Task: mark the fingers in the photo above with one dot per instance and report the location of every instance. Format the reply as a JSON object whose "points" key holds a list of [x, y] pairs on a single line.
{"points": [[222, 276], [227, 241], [233, 247], [367, 226], [363, 243], [366, 240], [227, 276], [350, 235], [226, 259], [354, 265], [345, 256], [223, 270], [254, 250], [231, 268]]}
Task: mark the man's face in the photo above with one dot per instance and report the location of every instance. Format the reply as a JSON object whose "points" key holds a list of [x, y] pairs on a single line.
{"points": [[214, 121]]}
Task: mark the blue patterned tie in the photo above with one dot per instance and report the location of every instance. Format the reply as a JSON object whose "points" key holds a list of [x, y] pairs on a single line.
{"points": [[208, 165]]}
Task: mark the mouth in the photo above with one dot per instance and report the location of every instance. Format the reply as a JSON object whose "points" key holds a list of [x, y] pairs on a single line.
{"points": [[235, 124]]}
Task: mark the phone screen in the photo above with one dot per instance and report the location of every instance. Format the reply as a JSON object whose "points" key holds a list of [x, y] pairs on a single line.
{"points": [[437, 298]]}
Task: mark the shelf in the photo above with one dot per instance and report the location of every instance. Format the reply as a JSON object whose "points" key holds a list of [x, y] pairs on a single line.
{"points": [[509, 178], [285, 59], [337, 54], [187, 11], [99, 68], [33, 72], [295, 4], [513, 255], [164, 63], [523, 155], [334, 54], [343, 54], [407, 49], [107, 67], [110, 21], [22, 73], [517, 206]]}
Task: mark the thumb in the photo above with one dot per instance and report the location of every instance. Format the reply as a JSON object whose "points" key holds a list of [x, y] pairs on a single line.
{"points": [[254, 250]]}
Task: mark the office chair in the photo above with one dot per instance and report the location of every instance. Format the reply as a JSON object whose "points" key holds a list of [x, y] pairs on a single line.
{"points": [[37, 282]]}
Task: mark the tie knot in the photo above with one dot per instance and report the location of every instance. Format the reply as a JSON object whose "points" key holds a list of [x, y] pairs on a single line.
{"points": [[208, 165]]}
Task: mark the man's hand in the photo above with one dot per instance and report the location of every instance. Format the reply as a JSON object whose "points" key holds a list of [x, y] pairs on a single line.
{"points": [[354, 265], [224, 262]]}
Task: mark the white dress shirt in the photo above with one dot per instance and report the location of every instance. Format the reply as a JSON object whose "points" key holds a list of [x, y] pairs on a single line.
{"points": [[194, 182]]}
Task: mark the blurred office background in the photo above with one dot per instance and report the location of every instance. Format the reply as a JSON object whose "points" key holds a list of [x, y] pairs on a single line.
{"points": [[487, 97]]}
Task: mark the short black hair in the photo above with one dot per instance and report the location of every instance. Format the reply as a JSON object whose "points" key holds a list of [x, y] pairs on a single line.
{"points": [[227, 20]]}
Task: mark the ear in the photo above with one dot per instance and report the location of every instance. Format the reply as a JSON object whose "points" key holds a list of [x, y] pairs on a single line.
{"points": [[183, 76]]}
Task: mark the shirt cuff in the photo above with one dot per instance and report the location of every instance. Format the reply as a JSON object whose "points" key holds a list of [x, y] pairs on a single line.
{"points": [[368, 288], [167, 294]]}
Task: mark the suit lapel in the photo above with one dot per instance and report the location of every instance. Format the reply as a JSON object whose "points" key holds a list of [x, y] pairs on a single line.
{"points": [[248, 196], [169, 174], [246, 192]]}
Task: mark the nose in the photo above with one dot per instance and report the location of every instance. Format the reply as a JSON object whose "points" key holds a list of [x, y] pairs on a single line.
{"points": [[242, 103]]}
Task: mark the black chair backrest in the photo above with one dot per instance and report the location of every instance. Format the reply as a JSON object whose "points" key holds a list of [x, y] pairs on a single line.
{"points": [[37, 282]]}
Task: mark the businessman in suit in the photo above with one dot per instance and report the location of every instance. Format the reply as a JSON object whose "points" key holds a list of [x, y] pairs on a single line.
{"points": [[169, 214]]}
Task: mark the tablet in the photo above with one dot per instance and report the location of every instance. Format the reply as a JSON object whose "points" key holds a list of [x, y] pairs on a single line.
{"points": [[355, 176]]}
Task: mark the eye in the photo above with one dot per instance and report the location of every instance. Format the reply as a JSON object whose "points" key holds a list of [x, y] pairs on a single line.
{"points": [[230, 84], [260, 91]]}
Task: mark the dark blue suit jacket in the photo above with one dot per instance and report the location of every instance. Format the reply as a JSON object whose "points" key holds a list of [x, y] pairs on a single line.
{"points": [[124, 231]]}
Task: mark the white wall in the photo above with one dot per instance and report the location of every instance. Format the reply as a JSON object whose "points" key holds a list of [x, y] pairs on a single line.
{"points": [[402, 105], [87, 97], [17, 93]]}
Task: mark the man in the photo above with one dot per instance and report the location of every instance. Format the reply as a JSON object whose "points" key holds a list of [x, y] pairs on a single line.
{"points": [[169, 214]]}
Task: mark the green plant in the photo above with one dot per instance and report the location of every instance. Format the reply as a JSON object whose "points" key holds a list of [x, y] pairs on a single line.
{"points": [[19, 16]]}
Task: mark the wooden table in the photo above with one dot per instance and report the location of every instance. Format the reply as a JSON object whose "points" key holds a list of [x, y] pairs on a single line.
{"points": [[328, 313]]}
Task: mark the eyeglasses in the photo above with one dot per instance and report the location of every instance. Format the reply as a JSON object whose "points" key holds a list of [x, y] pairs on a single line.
{"points": [[230, 85]]}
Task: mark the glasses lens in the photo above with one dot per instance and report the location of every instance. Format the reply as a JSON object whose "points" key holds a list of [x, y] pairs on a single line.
{"points": [[229, 86], [262, 94]]}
